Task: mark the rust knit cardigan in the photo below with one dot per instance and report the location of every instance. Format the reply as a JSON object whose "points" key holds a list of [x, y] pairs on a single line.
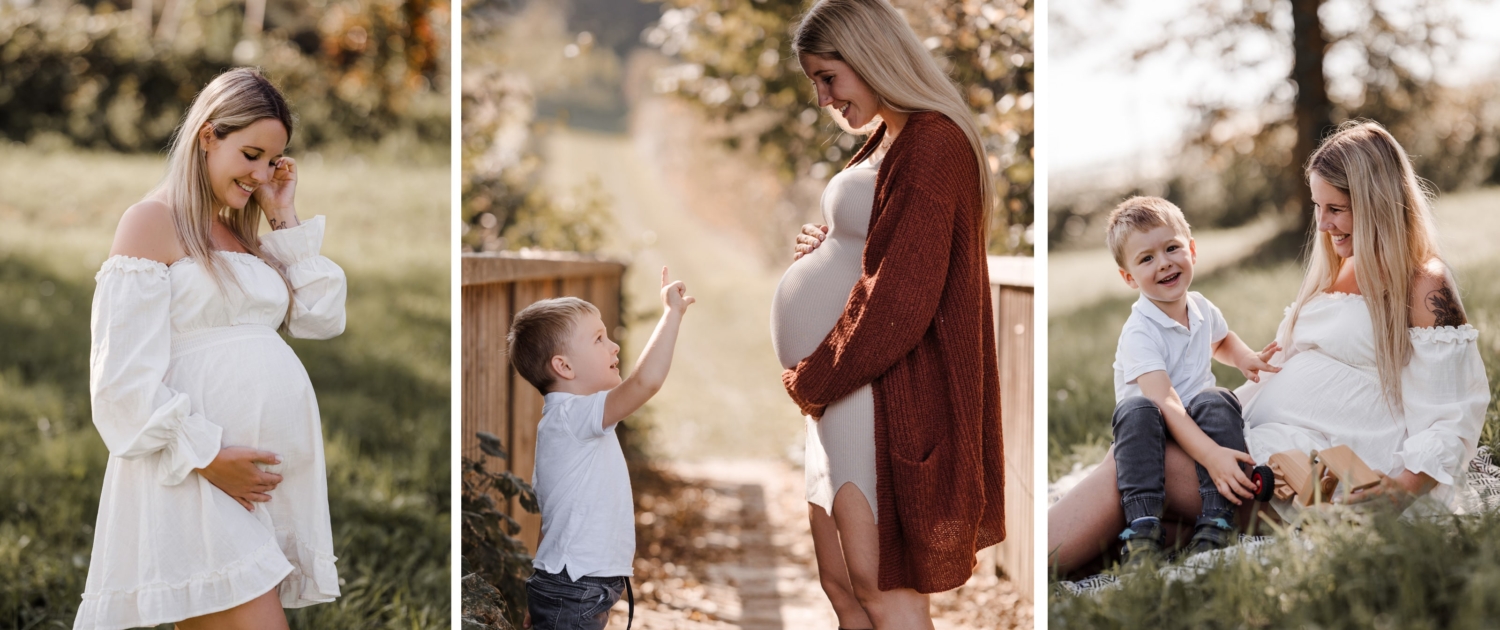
{"points": [[919, 327]]}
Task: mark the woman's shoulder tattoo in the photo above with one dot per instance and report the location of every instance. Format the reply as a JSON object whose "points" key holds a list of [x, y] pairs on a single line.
{"points": [[1445, 306]]}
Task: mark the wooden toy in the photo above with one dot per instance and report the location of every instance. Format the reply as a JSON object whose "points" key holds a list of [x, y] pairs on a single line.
{"points": [[1312, 477]]}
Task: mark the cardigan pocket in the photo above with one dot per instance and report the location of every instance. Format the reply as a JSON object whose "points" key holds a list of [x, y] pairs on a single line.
{"points": [[933, 527]]}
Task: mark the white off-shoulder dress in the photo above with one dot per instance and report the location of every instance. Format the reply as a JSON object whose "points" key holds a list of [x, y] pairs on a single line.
{"points": [[178, 369], [1328, 393]]}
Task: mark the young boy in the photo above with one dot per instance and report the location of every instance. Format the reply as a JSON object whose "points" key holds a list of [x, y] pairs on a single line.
{"points": [[1164, 384], [583, 563]]}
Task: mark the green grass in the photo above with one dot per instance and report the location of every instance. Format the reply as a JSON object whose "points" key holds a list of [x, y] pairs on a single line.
{"points": [[383, 386], [1379, 573]]}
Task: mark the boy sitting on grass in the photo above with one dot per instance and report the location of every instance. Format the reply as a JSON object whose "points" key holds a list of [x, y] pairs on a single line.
{"points": [[1161, 361], [583, 563]]}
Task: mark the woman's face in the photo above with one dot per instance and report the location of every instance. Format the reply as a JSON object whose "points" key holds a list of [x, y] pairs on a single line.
{"points": [[243, 160], [841, 89], [1333, 214]]}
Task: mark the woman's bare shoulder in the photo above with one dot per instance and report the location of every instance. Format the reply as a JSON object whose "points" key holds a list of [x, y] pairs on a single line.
{"points": [[1434, 300], [146, 231]]}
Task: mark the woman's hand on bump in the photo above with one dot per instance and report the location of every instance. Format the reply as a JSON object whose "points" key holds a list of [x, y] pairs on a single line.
{"points": [[277, 197], [235, 472], [809, 239]]}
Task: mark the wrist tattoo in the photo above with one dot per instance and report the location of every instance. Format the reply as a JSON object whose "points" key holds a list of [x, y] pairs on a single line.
{"points": [[1445, 306], [278, 225]]}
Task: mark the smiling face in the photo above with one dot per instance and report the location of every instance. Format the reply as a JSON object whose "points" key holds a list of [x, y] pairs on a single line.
{"points": [[592, 360], [1159, 262], [842, 90], [243, 160], [1334, 215]]}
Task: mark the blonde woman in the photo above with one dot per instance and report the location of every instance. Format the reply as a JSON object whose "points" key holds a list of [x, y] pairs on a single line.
{"points": [[1379, 355], [885, 329], [214, 511]]}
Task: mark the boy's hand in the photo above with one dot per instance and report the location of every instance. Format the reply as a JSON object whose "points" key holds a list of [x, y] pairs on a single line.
{"points": [[674, 294], [1223, 466], [1253, 364]]}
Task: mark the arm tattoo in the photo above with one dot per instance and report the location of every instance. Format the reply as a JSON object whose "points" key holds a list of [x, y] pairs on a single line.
{"points": [[1445, 306]]}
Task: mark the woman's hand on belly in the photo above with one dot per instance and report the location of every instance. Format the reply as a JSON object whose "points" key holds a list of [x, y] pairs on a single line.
{"points": [[811, 237], [235, 472]]}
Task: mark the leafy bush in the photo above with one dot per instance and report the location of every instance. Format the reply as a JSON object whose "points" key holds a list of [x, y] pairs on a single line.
{"points": [[491, 552], [356, 72]]}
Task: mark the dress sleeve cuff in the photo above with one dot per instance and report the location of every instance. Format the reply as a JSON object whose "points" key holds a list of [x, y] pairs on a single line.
{"points": [[191, 441], [296, 244], [1426, 454]]}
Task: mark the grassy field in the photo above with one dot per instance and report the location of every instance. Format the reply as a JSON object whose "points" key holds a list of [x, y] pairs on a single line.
{"points": [[383, 386], [1393, 560]]}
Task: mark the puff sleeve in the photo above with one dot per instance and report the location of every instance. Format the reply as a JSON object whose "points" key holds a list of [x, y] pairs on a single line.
{"points": [[136, 413], [318, 284], [1445, 393]]}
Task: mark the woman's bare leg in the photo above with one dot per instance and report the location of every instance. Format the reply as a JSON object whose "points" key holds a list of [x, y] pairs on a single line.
{"points": [[899, 609], [1085, 523], [833, 574], [261, 613]]}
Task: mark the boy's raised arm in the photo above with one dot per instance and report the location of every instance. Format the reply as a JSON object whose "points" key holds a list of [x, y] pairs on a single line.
{"points": [[1221, 463], [656, 358]]}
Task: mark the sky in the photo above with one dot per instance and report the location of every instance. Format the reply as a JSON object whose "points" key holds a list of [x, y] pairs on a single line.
{"points": [[1106, 112]]}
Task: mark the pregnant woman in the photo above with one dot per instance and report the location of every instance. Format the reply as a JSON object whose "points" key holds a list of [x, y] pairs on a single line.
{"points": [[214, 511], [886, 328], [1379, 355]]}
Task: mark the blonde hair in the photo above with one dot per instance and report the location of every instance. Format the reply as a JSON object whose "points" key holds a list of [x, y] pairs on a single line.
{"points": [[1140, 214], [878, 44], [538, 332], [1394, 239], [232, 101]]}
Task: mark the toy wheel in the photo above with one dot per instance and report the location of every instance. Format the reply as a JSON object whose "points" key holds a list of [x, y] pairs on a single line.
{"points": [[1265, 483]]}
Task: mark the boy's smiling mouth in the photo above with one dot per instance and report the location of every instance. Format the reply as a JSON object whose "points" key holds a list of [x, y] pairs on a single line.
{"points": [[1172, 279]]}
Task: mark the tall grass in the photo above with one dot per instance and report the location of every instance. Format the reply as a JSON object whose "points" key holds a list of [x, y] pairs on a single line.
{"points": [[383, 386]]}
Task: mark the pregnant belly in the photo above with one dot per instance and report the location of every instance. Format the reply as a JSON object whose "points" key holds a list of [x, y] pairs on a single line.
{"points": [[811, 297], [250, 383], [1318, 401]]}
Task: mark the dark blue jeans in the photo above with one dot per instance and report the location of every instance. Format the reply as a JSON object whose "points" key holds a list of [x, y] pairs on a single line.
{"points": [[559, 603], [1141, 447]]}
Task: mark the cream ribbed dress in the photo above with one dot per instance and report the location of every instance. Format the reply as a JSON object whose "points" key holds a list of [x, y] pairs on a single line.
{"points": [[178, 370], [808, 302]]}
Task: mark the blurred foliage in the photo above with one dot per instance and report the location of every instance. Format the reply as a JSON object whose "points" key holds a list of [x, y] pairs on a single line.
{"points": [[1239, 160], [355, 71], [505, 206], [491, 551], [737, 65]]}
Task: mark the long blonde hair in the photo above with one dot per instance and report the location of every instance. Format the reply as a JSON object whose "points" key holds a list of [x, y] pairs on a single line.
{"points": [[873, 38], [1394, 239], [232, 101]]}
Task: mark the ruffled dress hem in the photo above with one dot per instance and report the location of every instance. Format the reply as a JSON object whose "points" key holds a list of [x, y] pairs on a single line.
{"points": [[243, 580]]}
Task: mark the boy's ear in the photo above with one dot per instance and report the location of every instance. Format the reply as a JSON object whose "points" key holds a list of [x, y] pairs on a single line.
{"points": [[1129, 279], [562, 368], [1193, 250]]}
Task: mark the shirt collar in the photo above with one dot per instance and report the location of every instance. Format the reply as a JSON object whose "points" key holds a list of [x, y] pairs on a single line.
{"points": [[1154, 313]]}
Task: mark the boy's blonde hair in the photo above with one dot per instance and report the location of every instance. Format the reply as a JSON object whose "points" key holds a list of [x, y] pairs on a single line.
{"points": [[538, 332], [1139, 214]]}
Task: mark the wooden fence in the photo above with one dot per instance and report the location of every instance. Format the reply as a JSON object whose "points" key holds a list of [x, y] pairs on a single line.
{"points": [[495, 286], [1011, 296]]}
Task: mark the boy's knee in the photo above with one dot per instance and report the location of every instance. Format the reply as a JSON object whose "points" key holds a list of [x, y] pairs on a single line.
{"points": [[1136, 409], [1218, 403]]}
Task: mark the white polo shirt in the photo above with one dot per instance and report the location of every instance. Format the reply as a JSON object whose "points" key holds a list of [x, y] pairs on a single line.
{"points": [[1152, 341], [588, 514]]}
